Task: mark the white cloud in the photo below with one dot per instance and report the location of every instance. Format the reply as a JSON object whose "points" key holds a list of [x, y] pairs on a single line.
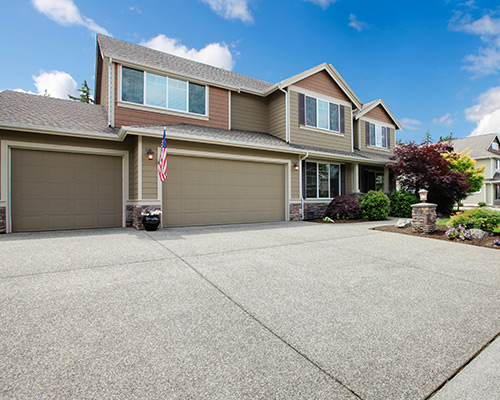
{"points": [[66, 13], [56, 84], [411, 124], [215, 54], [356, 24], [444, 120], [23, 91], [322, 3], [487, 59], [486, 113], [231, 9]]}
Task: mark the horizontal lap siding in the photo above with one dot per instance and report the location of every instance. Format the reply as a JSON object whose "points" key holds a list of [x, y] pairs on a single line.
{"points": [[307, 137], [218, 109], [379, 114], [149, 168], [277, 115], [133, 170], [249, 112]]}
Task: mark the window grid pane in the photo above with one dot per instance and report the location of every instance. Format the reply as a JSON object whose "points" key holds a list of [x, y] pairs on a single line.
{"points": [[177, 94], [311, 179], [334, 117], [310, 111], [323, 181], [132, 85], [196, 98], [323, 114], [156, 88], [372, 134]]}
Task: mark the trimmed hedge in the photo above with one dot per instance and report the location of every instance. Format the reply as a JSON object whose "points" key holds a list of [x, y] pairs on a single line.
{"points": [[401, 202], [375, 205]]}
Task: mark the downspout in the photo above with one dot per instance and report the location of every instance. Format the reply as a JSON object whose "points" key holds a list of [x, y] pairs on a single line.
{"points": [[110, 90], [301, 185], [287, 122]]}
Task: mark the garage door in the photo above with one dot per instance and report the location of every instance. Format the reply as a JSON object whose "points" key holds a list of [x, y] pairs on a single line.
{"points": [[209, 191], [53, 190]]}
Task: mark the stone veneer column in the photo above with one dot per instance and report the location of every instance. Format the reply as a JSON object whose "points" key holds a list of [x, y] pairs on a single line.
{"points": [[134, 215], [3, 223], [423, 217], [295, 211]]}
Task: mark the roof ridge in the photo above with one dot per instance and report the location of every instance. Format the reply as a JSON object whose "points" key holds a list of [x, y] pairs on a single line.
{"points": [[183, 58], [49, 98]]}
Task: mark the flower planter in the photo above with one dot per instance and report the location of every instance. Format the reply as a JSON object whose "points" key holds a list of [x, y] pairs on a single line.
{"points": [[151, 222]]}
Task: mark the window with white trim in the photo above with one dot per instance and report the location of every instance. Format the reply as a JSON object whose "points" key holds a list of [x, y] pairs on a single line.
{"points": [[155, 90], [322, 114], [322, 181], [378, 135], [497, 164]]}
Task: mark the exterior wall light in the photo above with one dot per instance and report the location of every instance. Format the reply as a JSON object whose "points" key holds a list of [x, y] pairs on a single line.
{"points": [[150, 154], [296, 166], [423, 195]]}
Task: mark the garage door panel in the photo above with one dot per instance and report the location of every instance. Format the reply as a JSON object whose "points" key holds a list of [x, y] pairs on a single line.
{"points": [[67, 191], [207, 191]]}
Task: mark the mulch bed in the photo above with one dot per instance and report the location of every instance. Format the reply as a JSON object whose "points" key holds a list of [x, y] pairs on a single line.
{"points": [[439, 234], [338, 221]]}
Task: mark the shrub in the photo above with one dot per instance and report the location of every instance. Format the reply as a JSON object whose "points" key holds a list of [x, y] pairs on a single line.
{"points": [[481, 204], [459, 232], [343, 207], [401, 201], [477, 218], [375, 205]]}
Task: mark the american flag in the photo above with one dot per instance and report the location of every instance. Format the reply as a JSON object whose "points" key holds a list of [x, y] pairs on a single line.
{"points": [[162, 164]]}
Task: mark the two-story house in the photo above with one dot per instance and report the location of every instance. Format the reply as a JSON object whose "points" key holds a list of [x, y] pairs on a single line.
{"points": [[239, 149], [485, 149]]}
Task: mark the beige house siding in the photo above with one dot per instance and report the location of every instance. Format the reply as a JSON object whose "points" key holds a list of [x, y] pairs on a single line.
{"points": [[277, 114], [133, 169], [249, 112], [355, 133], [312, 137], [362, 137], [149, 168]]}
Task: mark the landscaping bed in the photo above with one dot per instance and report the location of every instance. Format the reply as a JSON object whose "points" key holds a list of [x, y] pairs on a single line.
{"points": [[338, 221], [440, 235]]}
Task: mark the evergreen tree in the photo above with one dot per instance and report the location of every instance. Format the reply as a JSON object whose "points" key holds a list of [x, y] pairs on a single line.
{"points": [[447, 138], [427, 138], [85, 96]]}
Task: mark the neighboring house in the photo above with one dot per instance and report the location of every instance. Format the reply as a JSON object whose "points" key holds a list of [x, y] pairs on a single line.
{"points": [[485, 149], [239, 149]]}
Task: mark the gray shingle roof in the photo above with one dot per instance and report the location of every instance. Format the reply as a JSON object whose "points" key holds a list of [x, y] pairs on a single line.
{"points": [[167, 62], [478, 144], [29, 110]]}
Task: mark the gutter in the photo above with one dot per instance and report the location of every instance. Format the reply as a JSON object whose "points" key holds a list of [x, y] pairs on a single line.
{"points": [[110, 85], [287, 119]]}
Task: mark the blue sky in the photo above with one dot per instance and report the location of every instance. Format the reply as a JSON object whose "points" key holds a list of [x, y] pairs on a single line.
{"points": [[435, 63]]}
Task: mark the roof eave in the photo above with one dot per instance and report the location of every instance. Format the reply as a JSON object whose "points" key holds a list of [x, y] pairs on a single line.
{"points": [[378, 102]]}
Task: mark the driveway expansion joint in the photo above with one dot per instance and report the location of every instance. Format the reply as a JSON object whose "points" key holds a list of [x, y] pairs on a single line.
{"points": [[242, 308]]}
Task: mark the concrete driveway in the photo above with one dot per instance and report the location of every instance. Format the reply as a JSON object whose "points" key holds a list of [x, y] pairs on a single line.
{"points": [[269, 311]]}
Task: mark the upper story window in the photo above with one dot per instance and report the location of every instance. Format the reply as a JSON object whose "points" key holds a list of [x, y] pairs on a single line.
{"points": [[322, 114], [161, 91], [497, 166], [378, 136], [494, 146]]}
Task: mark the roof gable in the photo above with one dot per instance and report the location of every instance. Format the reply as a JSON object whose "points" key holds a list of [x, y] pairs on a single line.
{"points": [[321, 82], [378, 110], [333, 75], [479, 144]]}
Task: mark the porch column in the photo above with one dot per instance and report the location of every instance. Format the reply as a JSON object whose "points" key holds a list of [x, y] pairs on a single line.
{"points": [[355, 178], [386, 180]]}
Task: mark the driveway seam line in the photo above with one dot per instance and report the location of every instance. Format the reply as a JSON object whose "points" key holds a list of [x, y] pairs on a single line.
{"points": [[462, 367], [240, 306]]}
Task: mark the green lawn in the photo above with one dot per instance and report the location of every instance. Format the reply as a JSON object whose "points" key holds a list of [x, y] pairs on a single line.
{"points": [[443, 221]]}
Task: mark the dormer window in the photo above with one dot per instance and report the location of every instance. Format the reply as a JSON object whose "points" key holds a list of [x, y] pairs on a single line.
{"points": [[378, 135], [160, 91]]}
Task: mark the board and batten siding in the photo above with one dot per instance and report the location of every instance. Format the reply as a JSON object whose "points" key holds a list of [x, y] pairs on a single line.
{"points": [[249, 112], [362, 137], [306, 136], [277, 114]]}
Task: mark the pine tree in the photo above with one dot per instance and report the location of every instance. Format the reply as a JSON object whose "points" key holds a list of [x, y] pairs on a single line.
{"points": [[85, 96], [447, 138], [427, 138]]}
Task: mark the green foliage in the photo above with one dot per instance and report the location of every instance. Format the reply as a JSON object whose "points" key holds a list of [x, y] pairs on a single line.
{"points": [[447, 138], [343, 207], [427, 139], [401, 202], [85, 96], [481, 204], [464, 164], [375, 206], [485, 219]]}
